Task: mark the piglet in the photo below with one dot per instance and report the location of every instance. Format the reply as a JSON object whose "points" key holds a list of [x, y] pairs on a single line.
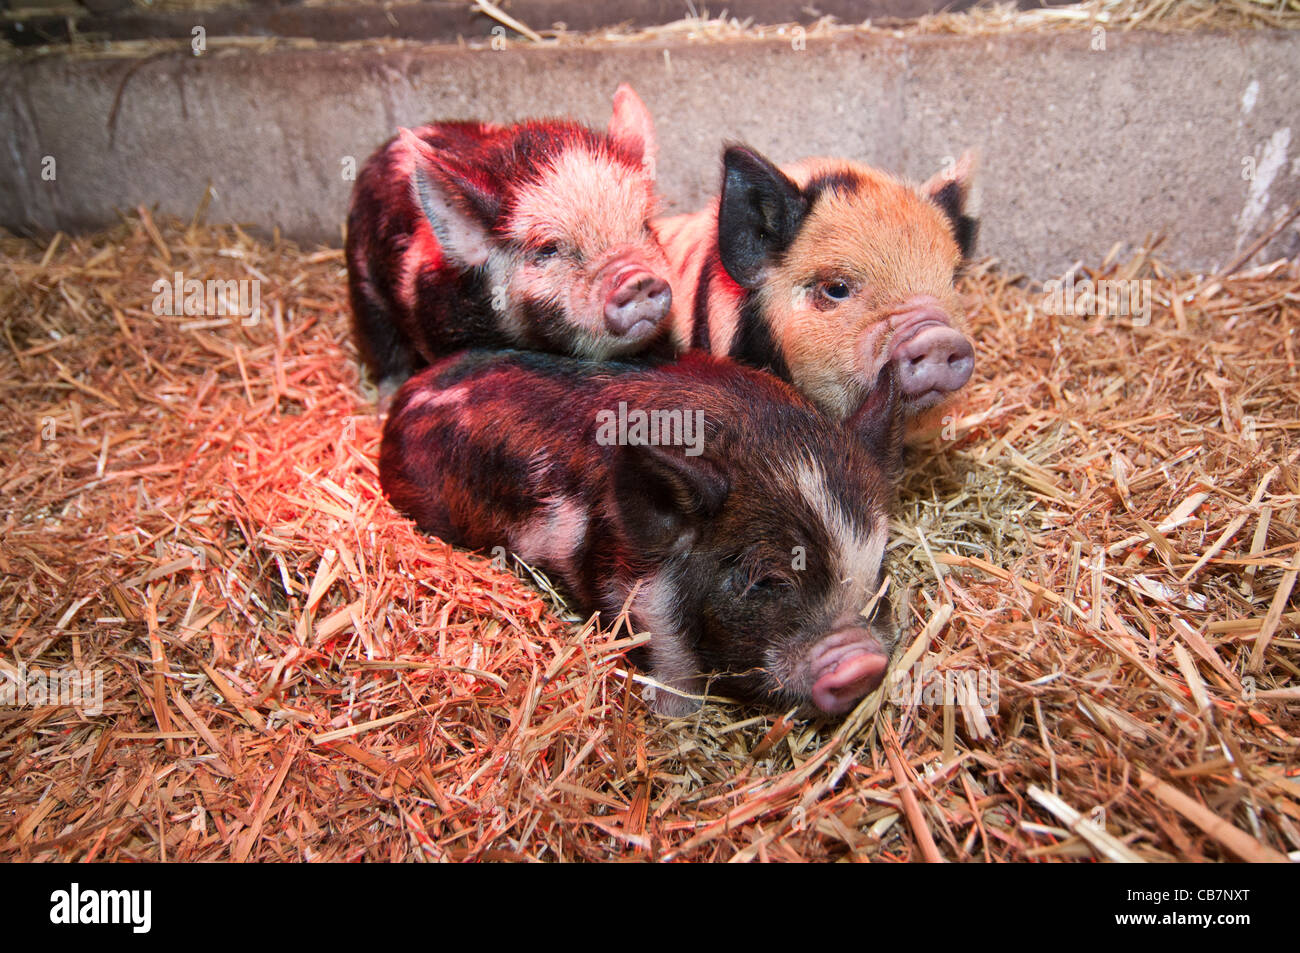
{"points": [[825, 271], [743, 528], [534, 235]]}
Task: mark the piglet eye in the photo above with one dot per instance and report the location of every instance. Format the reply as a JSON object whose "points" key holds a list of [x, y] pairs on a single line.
{"points": [[763, 586], [835, 290], [546, 252]]}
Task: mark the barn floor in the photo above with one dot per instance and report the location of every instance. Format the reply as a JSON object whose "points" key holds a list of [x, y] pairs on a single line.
{"points": [[1102, 541]]}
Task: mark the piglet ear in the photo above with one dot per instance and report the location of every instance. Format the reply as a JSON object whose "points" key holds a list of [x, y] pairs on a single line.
{"points": [[633, 126], [759, 214], [458, 209], [879, 423], [662, 495], [951, 190]]}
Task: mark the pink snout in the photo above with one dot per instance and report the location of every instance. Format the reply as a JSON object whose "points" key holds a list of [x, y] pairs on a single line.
{"points": [[933, 361], [846, 667], [637, 303]]}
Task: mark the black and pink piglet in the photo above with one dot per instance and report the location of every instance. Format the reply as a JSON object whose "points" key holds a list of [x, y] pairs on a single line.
{"points": [[534, 235], [746, 528]]}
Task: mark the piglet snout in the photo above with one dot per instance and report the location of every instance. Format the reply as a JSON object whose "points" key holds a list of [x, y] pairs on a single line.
{"points": [[637, 303], [934, 360], [845, 667]]}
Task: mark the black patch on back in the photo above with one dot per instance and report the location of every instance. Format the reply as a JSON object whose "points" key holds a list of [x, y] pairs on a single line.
{"points": [[468, 363], [561, 367], [700, 319], [754, 344]]}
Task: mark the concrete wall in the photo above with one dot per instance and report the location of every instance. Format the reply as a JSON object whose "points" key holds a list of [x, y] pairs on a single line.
{"points": [[1080, 148]]}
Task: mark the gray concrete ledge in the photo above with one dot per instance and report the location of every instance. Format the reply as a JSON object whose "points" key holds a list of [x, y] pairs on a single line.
{"points": [[1185, 134]]}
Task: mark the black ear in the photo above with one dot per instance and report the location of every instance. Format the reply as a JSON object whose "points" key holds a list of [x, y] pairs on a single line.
{"points": [[662, 495], [879, 423], [759, 214], [950, 190]]}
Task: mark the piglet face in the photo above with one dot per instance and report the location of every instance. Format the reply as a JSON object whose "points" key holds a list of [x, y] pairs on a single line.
{"points": [[555, 218], [801, 557], [781, 619], [581, 258], [855, 271], [757, 572]]}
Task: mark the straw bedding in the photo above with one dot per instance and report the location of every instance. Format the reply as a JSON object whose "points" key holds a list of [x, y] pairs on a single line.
{"points": [[1103, 535]]}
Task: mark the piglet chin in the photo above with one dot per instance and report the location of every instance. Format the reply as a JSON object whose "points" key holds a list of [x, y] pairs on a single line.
{"points": [[846, 667]]}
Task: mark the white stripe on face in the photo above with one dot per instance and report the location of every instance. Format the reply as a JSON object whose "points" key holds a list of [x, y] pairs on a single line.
{"points": [[855, 561]]}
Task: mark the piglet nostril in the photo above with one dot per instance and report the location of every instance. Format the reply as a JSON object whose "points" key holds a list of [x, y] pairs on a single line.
{"points": [[936, 360], [637, 304], [631, 290]]}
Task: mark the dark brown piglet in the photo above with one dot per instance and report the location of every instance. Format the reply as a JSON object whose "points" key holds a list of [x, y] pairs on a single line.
{"points": [[744, 528]]}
